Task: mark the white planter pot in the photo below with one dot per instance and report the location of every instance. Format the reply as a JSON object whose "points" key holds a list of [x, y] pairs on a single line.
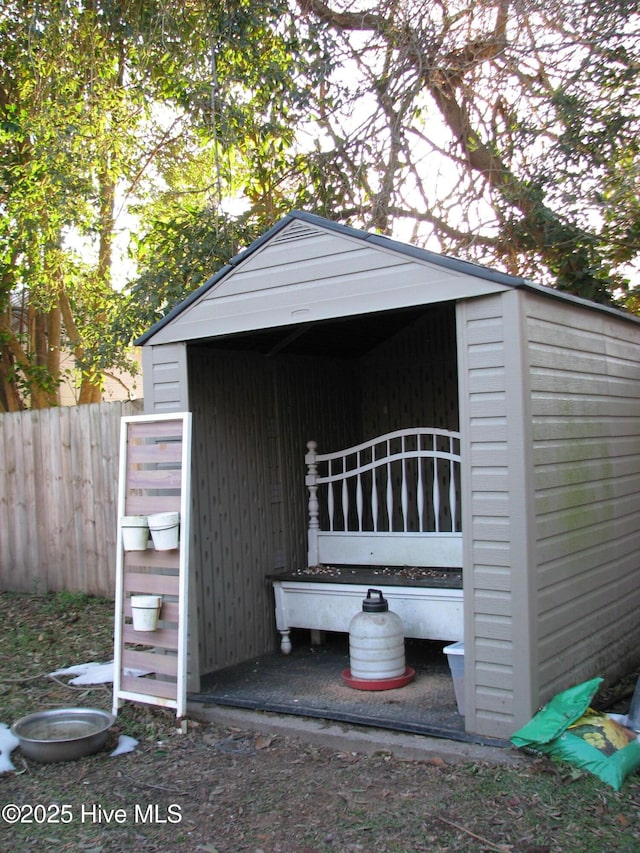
{"points": [[135, 532], [164, 530], [145, 610]]}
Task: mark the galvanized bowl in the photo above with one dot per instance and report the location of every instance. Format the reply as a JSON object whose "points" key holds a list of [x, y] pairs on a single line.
{"points": [[62, 734]]}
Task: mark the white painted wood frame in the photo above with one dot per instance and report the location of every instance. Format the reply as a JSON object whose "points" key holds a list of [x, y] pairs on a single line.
{"points": [[428, 613], [379, 510], [157, 487]]}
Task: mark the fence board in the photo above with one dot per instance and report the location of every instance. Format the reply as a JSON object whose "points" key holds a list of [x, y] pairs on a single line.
{"points": [[58, 497], [9, 502], [30, 509]]}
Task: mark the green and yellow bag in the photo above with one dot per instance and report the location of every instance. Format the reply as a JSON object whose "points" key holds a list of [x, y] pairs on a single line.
{"points": [[568, 729]]}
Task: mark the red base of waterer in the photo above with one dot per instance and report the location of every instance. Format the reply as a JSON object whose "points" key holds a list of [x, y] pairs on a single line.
{"points": [[378, 683]]}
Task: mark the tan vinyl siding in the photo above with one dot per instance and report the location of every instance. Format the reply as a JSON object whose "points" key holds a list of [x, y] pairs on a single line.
{"points": [[165, 379], [585, 407], [306, 274], [495, 522], [324, 257]]}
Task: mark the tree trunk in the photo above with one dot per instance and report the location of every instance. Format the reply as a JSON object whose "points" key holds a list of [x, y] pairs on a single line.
{"points": [[53, 354]]}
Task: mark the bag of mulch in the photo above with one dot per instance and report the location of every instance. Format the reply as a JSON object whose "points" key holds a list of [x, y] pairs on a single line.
{"points": [[568, 729]]}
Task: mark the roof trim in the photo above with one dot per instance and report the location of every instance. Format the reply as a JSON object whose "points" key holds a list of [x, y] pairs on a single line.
{"points": [[445, 261]]}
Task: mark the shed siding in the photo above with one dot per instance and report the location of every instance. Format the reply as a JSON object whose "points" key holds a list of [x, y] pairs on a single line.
{"points": [[585, 408], [232, 543], [309, 274], [252, 419], [165, 379], [495, 520], [317, 399], [411, 379]]}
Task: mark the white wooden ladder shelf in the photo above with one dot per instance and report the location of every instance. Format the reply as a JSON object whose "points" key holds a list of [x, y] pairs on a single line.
{"points": [[155, 453]]}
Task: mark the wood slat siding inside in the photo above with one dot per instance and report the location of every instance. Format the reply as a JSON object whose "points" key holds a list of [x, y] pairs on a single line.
{"points": [[58, 495], [585, 407], [249, 493], [232, 545], [330, 416]]}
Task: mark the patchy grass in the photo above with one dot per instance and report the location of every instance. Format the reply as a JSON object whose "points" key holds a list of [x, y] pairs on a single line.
{"points": [[42, 633], [45, 633], [227, 790]]}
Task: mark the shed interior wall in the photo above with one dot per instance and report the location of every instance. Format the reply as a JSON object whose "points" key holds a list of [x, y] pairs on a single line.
{"points": [[253, 414]]}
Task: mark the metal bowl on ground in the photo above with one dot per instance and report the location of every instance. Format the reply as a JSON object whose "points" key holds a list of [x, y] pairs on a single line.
{"points": [[62, 734]]}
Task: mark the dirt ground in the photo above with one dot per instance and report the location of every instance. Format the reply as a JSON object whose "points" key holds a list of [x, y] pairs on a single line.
{"points": [[227, 789]]}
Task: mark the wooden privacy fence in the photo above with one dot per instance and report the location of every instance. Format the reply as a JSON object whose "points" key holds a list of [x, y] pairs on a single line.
{"points": [[58, 497]]}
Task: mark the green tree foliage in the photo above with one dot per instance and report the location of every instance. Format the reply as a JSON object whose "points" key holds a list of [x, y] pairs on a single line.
{"points": [[503, 131], [67, 135], [137, 105], [242, 95]]}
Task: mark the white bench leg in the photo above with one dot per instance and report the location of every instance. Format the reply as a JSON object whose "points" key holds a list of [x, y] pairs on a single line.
{"points": [[285, 645]]}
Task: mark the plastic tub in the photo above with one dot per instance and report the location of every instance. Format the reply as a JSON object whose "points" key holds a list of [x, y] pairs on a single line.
{"points": [[455, 656]]}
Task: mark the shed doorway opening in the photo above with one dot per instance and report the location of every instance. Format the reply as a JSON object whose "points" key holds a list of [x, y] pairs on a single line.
{"points": [[257, 400]]}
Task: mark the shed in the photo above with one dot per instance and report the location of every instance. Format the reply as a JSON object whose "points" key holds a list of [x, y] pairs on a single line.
{"points": [[324, 332]]}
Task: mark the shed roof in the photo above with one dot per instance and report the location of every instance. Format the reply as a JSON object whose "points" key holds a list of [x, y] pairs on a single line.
{"points": [[309, 269]]}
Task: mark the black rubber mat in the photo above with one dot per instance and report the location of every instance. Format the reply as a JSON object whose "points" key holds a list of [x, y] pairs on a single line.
{"points": [[308, 682]]}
